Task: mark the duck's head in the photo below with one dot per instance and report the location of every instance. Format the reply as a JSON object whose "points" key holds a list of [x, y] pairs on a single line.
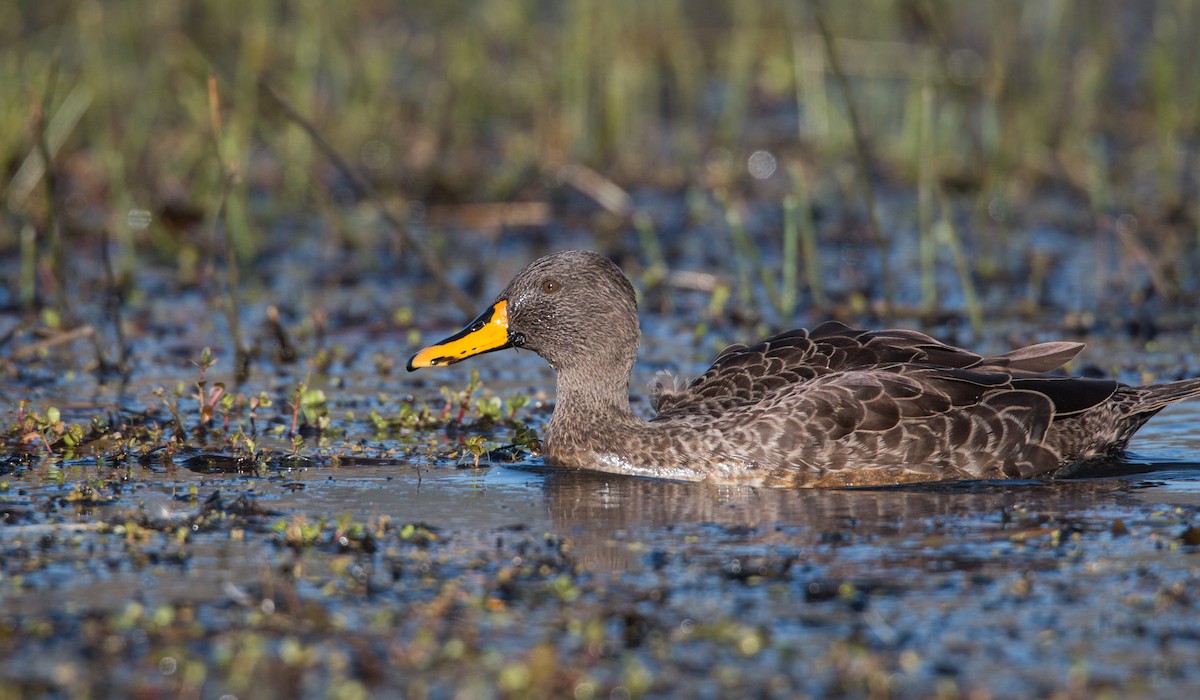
{"points": [[574, 308]]}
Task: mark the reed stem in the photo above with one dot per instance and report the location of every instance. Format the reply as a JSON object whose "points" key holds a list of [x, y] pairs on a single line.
{"points": [[862, 152], [791, 254], [221, 221], [948, 233], [925, 185], [808, 237]]}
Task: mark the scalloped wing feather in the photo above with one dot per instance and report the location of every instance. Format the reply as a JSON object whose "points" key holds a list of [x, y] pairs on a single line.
{"points": [[837, 395]]}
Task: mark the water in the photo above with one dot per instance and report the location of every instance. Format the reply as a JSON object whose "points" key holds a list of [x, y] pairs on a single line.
{"points": [[1013, 588], [376, 564]]}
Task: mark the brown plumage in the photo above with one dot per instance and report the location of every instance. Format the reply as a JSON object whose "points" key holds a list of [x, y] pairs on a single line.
{"points": [[830, 406]]}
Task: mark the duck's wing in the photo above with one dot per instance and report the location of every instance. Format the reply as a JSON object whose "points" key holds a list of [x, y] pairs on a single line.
{"points": [[932, 421], [744, 375], [881, 398], [912, 419]]}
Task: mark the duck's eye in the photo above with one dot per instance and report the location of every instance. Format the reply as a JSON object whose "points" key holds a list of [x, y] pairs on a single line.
{"points": [[551, 286]]}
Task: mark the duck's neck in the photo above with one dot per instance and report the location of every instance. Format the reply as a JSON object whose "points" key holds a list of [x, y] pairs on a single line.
{"points": [[597, 393], [588, 406]]}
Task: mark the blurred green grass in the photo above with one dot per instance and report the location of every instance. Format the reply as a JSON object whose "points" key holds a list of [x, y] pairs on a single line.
{"points": [[452, 102]]}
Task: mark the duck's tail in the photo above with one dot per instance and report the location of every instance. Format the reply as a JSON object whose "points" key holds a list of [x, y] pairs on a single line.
{"points": [[1136, 405], [1155, 397]]}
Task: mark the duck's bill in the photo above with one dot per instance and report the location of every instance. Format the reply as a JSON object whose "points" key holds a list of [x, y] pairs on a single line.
{"points": [[487, 333]]}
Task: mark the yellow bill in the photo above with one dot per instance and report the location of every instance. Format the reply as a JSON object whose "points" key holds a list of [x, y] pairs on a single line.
{"points": [[487, 333]]}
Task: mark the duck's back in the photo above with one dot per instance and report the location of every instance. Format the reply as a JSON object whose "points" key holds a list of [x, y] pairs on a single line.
{"points": [[744, 375]]}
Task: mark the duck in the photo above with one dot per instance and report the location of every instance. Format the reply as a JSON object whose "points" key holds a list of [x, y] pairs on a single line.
{"points": [[834, 406]]}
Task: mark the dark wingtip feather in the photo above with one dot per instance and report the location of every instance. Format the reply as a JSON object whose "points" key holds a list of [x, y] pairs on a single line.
{"points": [[1042, 357]]}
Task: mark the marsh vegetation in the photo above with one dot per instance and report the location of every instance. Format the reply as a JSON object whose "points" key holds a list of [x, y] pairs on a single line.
{"points": [[223, 225]]}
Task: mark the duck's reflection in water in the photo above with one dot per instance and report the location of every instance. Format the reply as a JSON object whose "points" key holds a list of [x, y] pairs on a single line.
{"points": [[620, 523]]}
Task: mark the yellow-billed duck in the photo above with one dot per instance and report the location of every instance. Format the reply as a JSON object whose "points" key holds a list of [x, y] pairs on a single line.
{"points": [[830, 406]]}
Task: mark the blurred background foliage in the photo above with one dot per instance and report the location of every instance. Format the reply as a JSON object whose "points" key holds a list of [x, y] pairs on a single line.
{"points": [[1077, 115]]}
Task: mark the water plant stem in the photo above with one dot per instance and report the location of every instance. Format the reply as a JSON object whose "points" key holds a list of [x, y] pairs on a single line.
{"points": [[743, 51], [862, 152], [744, 252], [643, 223], [112, 306], [791, 254], [364, 189], [808, 70], [221, 220], [949, 233], [808, 236], [925, 185], [57, 263]]}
